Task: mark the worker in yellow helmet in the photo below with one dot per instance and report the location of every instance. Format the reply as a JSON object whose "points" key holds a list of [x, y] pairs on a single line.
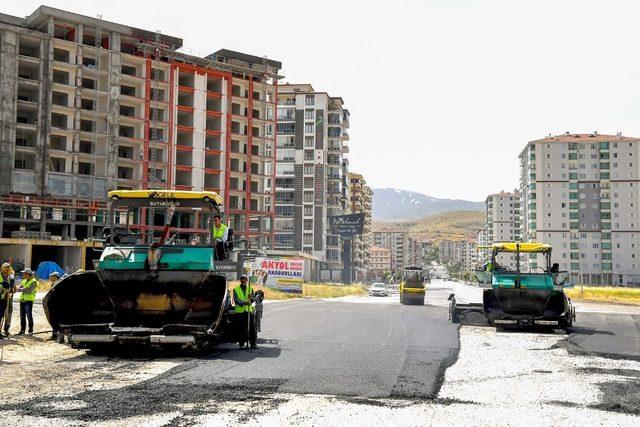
{"points": [[28, 287], [243, 296]]}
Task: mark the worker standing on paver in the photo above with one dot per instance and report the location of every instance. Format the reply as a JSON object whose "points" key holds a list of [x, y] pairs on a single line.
{"points": [[243, 297], [6, 296], [29, 287], [220, 238]]}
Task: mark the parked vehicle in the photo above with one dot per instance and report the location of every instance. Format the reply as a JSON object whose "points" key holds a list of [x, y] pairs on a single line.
{"points": [[378, 289]]}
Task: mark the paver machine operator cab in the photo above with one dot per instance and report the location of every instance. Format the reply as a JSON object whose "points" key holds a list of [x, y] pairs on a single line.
{"points": [[412, 287], [153, 284], [521, 296]]}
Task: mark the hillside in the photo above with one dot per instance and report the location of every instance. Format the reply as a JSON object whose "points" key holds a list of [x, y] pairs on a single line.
{"points": [[390, 204], [447, 225]]}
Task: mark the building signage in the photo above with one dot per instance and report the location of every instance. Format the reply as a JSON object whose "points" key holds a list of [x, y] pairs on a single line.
{"points": [[283, 274], [347, 225]]}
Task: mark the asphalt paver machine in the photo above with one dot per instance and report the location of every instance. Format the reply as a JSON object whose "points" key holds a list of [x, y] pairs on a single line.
{"points": [[519, 298], [157, 280]]}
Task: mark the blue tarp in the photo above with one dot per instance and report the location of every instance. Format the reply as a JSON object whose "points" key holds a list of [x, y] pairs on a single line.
{"points": [[45, 268]]}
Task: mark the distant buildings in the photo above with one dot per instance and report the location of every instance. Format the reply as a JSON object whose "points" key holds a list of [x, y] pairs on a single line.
{"points": [[360, 196], [380, 263], [398, 244], [581, 194], [503, 222], [483, 240], [462, 252]]}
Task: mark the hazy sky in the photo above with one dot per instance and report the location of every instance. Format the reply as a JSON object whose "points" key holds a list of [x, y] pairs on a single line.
{"points": [[443, 94]]}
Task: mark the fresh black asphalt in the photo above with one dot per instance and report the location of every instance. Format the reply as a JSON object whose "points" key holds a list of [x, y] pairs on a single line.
{"points": [[366, 348], [338, 348], [606, 334]]}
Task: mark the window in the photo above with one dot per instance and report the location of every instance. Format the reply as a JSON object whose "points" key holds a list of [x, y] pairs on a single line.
{"points": [[308, 182], [308, 196], [308, 114], [284, 211], [308, 154], [308, 128], [307, 239], [286, 128], [308, 169], [309, 100], [308, 210], [308, 224], [308, 142]]}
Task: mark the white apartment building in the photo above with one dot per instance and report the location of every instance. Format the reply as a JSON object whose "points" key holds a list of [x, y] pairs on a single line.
{"points": [[459, 251], [503, 222], [580, 193], [483, 240], [311, 174]]}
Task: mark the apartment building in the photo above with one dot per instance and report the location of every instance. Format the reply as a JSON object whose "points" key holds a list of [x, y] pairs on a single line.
{"points": [[462, 252], [398, 244], [360, 195], [503, 222], [417, 250], [483, 240], [448, 250], [379, 264], [90, 105], [468, 254], [311, 174], [580, 193]]}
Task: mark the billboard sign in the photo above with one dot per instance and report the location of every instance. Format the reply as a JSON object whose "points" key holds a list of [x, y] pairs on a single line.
{"points": [[283, 274], [347, 225]]}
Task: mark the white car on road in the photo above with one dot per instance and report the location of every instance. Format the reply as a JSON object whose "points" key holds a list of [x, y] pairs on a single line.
{"points": [[378, 289]]}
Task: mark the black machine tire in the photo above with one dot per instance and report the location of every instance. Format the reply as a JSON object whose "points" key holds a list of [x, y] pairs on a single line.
{"points": [[412, 299]]}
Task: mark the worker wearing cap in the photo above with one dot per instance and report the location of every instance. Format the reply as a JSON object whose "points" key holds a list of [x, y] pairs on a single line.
{"points": [[243, 297], [220, 237], [29, 287], [54, 277], [7, 289]]}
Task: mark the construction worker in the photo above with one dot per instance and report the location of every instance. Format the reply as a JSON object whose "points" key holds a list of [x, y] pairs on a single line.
{"points": [[243, 297], [54, 278], [28, 287], [220, 237], [7, 278]]}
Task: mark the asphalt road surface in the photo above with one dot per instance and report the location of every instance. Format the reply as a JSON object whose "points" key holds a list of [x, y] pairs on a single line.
{"points": [[362, 360], [610, 330], [338, 348]]}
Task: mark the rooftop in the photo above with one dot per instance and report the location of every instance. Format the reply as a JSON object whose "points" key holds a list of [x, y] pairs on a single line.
{"points": [[585, 137], [41, 15], [244, 57]]}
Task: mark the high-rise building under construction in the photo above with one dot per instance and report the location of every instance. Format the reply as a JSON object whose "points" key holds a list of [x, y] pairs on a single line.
{"points": [[89, 106]]}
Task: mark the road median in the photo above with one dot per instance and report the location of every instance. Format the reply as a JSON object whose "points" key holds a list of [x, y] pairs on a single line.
{"points": [[312, 290], [605, 294]]}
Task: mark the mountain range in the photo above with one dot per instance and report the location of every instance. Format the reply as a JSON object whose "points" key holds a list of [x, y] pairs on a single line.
{"points": [[391, 204]]}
